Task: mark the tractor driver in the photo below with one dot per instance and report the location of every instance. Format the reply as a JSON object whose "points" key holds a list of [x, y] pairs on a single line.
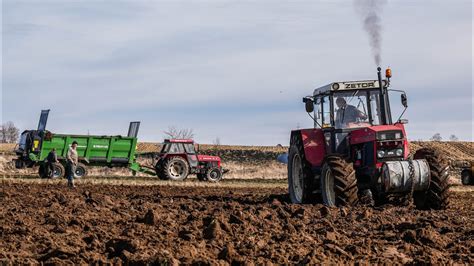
{"points": [[347, 113]]}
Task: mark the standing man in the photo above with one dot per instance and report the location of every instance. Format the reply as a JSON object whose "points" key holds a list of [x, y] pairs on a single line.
{"points": [[50, 161], [72, 161]]}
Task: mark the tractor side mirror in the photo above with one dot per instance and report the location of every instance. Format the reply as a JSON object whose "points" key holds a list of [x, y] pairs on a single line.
{"points": [[309, 105], [404, 100]]}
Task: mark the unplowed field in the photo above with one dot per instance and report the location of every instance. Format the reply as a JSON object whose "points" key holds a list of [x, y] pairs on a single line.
{"points": [[43, 221]]}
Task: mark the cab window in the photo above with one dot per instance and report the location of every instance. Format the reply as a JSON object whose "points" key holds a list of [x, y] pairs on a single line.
{"points": [[189, 147]]}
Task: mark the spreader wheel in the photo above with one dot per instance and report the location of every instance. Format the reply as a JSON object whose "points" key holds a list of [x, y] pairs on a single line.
{"points": [[437, 195], [59, 170], [466, 177], [175, 168], [338, 182], [300, 177], [81, 170]]}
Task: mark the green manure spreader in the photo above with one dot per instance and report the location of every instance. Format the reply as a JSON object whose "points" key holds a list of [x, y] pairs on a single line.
{"points": [[177, 159], [93, 150]]}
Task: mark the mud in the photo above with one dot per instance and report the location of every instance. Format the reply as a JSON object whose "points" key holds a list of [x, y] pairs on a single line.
{"points": [[49, 223]]}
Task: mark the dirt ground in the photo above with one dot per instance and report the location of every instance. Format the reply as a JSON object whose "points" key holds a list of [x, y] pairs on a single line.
{"points": [[43, 221]]}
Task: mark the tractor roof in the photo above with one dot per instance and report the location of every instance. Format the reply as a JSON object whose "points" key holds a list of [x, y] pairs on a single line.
{"points": [[348, 85], [179, 140]]}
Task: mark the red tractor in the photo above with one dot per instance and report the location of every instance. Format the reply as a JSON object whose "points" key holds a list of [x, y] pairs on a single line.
{"points": [[178, 158], [355, 151]]}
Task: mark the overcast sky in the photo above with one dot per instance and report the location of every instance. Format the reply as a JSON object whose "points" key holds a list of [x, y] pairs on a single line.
{"points": [[236, 70]]}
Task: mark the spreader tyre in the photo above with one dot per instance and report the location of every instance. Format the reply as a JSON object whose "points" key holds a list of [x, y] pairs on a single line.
{"points": [[81, 171], [338, 182], [300, 176], [58, 170], [437, 195], [214, 175], [175, 168], [466, 177]]}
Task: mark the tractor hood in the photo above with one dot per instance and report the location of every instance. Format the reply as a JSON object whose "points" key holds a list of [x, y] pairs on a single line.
{"points": [[208, 158], [381, 133]]}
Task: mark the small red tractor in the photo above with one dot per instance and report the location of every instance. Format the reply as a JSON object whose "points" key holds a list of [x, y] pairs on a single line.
{"points": [[355, 151], [178, 158]]}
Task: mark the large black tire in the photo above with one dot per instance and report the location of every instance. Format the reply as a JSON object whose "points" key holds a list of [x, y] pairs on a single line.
{"points": [[214, 175], [437, 195], [59, 170], [175, 168], [81, 170], [338, 182], [466, 178], [42, 173], [300, 176]]}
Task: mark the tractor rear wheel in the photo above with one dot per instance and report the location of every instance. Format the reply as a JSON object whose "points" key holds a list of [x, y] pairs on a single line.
{"points": [[466, 178], [214, 174], [175, 168], [437, 195], [81, 171], [300, 175], [338, 182]]}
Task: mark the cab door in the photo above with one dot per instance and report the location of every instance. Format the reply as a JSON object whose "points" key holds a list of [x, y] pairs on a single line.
{"points": [[191, 154]]}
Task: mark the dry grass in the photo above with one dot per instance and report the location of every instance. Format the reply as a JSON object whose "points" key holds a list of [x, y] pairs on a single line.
{"points": [[152, 182], [268, 170]]}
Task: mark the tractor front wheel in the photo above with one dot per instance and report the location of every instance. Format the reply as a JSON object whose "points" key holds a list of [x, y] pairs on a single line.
{"points": [[338, 182], [437, 195], [214, 175], [175, 168]]}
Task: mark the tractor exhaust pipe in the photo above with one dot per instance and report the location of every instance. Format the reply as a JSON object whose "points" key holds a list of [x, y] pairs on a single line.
{"points": [[382, 97]]}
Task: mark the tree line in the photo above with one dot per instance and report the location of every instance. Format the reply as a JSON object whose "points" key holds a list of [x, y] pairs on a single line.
{"points": [[9, 133]]}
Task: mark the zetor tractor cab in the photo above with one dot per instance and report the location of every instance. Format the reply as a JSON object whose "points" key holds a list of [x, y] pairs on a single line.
{"points": [[178, 158], [356, 151]]}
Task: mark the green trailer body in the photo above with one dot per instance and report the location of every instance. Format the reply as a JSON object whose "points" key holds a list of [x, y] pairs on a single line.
{"points": [[93, 150], [100, 150]]}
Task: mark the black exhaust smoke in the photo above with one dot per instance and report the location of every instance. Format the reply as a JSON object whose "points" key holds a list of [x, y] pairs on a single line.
{"points": [[369, 11]]}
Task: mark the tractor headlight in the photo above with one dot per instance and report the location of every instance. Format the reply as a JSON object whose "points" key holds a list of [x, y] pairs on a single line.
{"points": [[398, 135], [380, 154], [399, 152], [383, 136]]}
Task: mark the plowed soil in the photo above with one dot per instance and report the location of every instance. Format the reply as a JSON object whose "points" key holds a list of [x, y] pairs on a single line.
{"points": [[47, 222]]}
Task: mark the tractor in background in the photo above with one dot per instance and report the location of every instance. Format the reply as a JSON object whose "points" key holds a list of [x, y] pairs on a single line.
{"points": [[178, 158], [355, 151]]}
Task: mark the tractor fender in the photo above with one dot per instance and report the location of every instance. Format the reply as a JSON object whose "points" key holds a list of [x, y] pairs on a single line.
{"points": [[314, 145]]}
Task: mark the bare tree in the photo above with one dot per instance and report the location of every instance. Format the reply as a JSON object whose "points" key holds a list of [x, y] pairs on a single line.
{"points": [[437, 137], [9, 133], [3, 134], [175, 133], [453, 138]]}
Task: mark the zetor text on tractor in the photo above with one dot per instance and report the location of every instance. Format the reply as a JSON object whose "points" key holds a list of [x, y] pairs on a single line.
{"points": [[356, 151], [178, 158]]}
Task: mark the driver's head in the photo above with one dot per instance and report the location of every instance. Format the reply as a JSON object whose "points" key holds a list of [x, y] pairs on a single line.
{"points": [[341, 102]]}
